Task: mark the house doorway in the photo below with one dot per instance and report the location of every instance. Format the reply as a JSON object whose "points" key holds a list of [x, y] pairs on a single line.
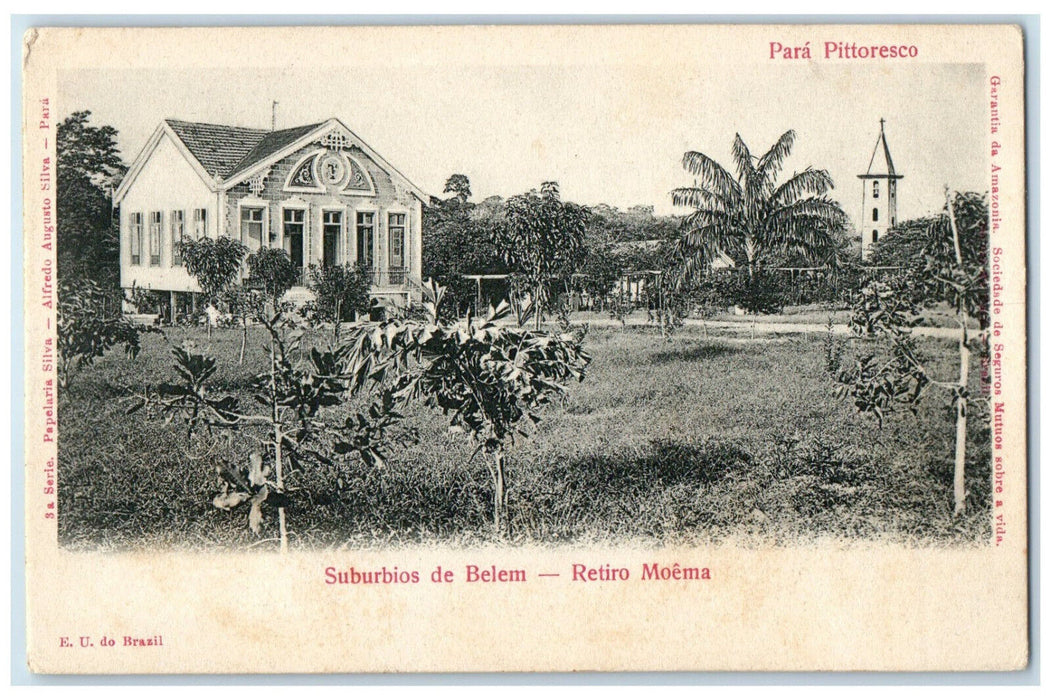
{"points": [[295, 249], [294, 221]]}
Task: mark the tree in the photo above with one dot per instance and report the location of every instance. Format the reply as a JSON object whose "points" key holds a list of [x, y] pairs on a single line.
{"points": [[487, 377], [88, 167], [214, 263], [460, 187], [917, 244], [748, 216], [340, 291], [944, 261], [85, 329], [542, 239], [275, 270], [602, 270], [458, 241]]}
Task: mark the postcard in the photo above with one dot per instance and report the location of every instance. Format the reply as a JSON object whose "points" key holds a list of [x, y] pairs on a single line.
{"points": [[525, 348]]}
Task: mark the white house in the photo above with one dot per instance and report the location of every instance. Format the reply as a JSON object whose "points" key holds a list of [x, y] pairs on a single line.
{"points": [[317, 191]]}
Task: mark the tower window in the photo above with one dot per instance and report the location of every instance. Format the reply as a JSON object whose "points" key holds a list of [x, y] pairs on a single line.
{"points": [[875, 213], [875, 189], [875, 235]]}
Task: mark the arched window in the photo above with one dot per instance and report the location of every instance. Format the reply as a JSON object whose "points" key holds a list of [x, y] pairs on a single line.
{"points": [[875, 213], [875, 189], [875, 236]]}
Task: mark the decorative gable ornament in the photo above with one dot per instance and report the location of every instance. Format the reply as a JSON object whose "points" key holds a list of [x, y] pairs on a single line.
{"points": [[303, 175], [257, 183], [332, 169], [326, 170], [335, 140]]}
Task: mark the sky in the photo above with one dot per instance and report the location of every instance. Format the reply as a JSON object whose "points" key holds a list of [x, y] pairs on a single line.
{"points": [[611, 134]]}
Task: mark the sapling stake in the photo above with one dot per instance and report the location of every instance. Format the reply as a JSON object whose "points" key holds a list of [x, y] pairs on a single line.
{"points": [[959, 489], [279, 437], [500, 522]]}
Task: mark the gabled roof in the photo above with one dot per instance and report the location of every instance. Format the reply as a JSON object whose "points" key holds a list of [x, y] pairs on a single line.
{"points": [[225, 155], [218, 148], [285, 146], [881, 164]]}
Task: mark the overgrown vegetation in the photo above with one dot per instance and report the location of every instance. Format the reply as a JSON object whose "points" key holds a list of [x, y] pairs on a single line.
{"points": [[943, 260], [88, 327], [88, 167], [699, 445]]}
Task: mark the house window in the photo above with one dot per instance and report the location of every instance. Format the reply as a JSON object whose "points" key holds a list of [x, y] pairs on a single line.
{"points": [[178, 230], [875, 214], [252, 227], [875, 189], [200, 223], [135, 234], [155, 237], [331, 233], [366, 236], [396, 234]]}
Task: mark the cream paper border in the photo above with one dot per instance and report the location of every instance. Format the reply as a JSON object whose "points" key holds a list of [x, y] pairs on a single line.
{"points": [[827, 606]]}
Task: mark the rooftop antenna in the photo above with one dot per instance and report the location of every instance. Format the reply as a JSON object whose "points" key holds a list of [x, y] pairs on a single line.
{"points": [[273, 116]]}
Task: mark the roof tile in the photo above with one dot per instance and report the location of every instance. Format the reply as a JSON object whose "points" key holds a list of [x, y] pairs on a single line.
{"points": [[271, 143]]}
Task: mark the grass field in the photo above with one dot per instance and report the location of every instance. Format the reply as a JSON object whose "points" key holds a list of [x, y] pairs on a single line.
{"points": [[809, 314], [685, 440]]}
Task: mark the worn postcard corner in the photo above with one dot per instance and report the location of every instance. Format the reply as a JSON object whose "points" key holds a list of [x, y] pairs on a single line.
{"points": [[525, 348]]}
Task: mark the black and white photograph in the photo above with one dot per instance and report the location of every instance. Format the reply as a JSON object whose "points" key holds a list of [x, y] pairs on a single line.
{"points": [[376, 303]]}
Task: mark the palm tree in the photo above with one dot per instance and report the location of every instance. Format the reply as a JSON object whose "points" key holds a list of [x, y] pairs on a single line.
{"points": [[750, 217]]}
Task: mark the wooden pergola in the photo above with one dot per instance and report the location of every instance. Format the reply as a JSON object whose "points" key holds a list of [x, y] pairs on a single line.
{"points": [[478, 282]]}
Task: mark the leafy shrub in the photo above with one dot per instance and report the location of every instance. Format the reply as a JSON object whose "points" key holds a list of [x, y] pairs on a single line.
{"points": [[146, 301], [214, 263], [340, 291], [293, 427], [274, 270], [833, 348], [760, 293]]}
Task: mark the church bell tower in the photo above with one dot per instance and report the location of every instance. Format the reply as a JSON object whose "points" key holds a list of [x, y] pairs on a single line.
{"points": [[879, 198]]}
